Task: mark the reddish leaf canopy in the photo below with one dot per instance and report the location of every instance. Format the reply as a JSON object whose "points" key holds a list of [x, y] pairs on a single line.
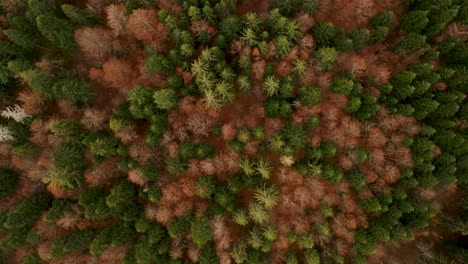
{"points": [[95, 43]]}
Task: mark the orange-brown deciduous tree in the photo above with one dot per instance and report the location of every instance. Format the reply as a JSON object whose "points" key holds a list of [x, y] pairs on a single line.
{"points": [[94, 119], [127, 134], [32, 102], [143, 25], [40, 132], [229, 132], [94, 42], [199, 124], [118, 73], [117, 18]]}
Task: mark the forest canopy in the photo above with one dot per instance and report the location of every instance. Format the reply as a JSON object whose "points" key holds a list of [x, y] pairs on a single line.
{"points": [[233, 131]]}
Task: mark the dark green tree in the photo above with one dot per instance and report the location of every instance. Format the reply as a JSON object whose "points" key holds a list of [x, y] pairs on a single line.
{"points": [[64, 177], [353, 105], [324, 33], [141, 103], [23, 39], [154, 193], [77, 15], [382, 19], [414, 21], [34, 237], [439, 21], [344, 44], [19, 65], [187, 150], [175, 166], [231, 27], [33, 259], [370, 205], [68, 156], [14, 239], [94, 204], [291, 258], [283, 45], [76, 241], [37, 8], [9, 179], [328, 149], [360, 37], [294, 136], [26, 212], [71, 130], [208, 256], [205, 187], [38, 81], [311, 256], [201, 231], [331, 172], [76, 91], [379, 34], [411, 43], [101, 145], [59, 208], [114, 235], [287, 7], [159, 62], [342, 85], [178, 227], [58, 31], [326, 58], [401, 82], [121, 196], [445, 111], [225, 198], [310, 96], [310, 6], [150, 172], [423, 107], [165, 99]]}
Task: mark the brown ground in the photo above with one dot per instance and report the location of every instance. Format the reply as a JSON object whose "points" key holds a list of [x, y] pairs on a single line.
{"points": [[354, 14], [255, 6]]}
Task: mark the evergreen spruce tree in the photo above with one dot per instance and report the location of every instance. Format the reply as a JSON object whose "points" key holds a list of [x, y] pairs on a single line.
{"points": [[267, 195], [415, 21], [371, 205], [310, 96], [94, 204], [141, 103], [326, 57], [165, 99], [411, 43], [76, 241], [9, 179], [23, 39], [324, 33], [77, 15], [205, 187], [178, 227], [58, 31], [201, 231], [77, 91], [26, 212]]}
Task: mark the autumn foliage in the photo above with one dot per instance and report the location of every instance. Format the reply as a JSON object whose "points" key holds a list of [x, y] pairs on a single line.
{"points": [[273, 131]]}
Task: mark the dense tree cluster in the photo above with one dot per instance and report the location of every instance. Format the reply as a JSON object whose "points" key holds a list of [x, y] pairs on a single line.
{"points": [[206, 131]]}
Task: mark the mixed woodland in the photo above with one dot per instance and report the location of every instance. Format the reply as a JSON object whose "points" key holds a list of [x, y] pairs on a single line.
{"points": [[224, 131]]}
